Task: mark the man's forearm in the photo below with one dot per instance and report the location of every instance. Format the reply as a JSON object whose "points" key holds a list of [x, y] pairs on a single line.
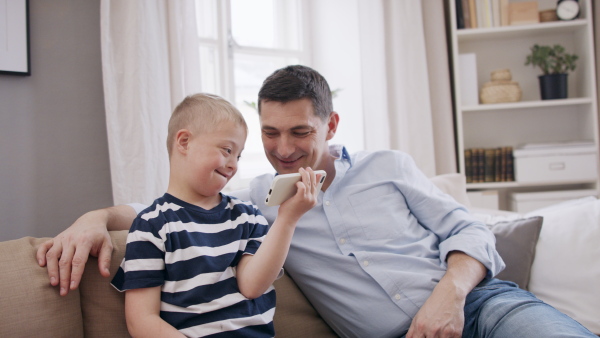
{"points": [[464, 272], [118, 217]]}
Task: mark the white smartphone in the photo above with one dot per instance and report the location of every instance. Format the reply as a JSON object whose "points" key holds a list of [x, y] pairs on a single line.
{"points": [[284, 187]]}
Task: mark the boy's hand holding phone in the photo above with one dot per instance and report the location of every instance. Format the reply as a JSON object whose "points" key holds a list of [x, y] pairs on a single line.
{"points": [[303, 188]]}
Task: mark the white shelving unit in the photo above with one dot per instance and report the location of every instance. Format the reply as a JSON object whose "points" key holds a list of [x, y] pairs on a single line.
{"points": [[530, 120]]}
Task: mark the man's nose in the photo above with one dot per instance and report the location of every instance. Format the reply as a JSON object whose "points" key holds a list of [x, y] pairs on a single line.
{"points": [[285, 146]]}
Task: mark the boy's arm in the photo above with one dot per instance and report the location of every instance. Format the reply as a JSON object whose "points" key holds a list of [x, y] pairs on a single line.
{"points": [[66, 254], [256, 273], [142, 311]]}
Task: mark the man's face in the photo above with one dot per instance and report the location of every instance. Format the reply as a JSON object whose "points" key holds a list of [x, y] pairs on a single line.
{"points": [[294, 137]]}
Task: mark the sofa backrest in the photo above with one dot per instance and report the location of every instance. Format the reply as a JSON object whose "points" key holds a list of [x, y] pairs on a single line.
{"points": [[30, 306]]}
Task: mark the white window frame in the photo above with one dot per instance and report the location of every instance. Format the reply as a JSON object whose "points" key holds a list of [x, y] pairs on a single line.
{"points": [[227, 47]]}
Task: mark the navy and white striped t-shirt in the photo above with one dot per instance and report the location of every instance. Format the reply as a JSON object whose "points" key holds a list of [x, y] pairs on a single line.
{"points": [[192, 253]]}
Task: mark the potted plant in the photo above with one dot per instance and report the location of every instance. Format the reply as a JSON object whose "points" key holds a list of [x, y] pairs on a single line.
{"points": [[554, 63]]}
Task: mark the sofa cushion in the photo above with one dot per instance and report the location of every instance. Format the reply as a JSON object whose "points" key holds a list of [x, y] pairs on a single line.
{"points": [[566, 272], [454, 185], [294, 315], [29, 305], [102, 306], [516, 241]]}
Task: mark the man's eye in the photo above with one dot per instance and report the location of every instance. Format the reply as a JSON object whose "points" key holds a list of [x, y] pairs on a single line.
{"points": [[301, 134]]}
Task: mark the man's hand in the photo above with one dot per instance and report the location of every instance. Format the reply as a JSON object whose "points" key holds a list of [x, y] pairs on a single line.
{"points": [[66, 254], [442, 315]]}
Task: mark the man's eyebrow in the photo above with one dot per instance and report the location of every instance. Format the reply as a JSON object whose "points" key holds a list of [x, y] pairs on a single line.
{"points": [[304, 126]]}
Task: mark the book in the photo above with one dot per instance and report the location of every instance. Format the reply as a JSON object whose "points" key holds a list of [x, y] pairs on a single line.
{"points": [[496, 13], [473, 13], [468, 165], [498, 165], [466, 13], [510, 176], [460, 22], [504, 13], [490, 165]]}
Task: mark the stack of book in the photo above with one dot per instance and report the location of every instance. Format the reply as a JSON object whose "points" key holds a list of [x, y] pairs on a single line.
{"points": [[489, 165], [482, 13]]}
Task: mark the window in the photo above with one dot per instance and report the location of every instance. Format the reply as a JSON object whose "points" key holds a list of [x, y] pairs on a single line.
{"points": [[242, 42]]}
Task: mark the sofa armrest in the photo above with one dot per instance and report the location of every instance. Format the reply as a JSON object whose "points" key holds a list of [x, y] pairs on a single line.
{"points": [[31, 307]]}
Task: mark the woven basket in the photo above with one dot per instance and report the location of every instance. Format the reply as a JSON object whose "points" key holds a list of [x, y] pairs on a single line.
{"points": [[501, 88], [500, 91], [501, 75]]}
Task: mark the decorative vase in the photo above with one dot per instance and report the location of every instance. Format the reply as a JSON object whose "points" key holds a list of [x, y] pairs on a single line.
{"points": [[553, 86]]}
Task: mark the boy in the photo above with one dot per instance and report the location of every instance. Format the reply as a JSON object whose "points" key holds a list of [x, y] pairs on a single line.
{"points": [[194, 263]]}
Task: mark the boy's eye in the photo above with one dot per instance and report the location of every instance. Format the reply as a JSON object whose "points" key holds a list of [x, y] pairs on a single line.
{"points": [[227, 150]]}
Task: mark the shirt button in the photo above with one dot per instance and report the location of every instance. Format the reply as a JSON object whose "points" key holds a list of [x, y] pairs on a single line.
{"points": [[397, 296], [327, 203], [343, 241], [365, 263]]}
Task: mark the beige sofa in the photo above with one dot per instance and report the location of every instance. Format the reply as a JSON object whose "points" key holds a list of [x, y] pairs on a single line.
{"points": [[30, 307], [556, 261]]}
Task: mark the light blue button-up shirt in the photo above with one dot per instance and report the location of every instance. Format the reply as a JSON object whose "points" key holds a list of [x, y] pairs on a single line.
{"points": [[372, 250]]}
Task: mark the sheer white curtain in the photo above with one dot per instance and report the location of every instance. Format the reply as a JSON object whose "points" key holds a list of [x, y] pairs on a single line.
{"points": [[402, 77], [149, 64]]}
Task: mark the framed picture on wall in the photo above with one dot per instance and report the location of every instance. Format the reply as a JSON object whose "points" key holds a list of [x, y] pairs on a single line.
{"points": [[14, 37]]}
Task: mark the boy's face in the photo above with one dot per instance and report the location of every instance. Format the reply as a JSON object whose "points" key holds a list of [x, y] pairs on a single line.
{"points": [[294, 137], [212, 158]]}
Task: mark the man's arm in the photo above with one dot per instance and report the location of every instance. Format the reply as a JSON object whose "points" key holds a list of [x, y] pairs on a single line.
{"points": [[66, 254], [442, 315]]}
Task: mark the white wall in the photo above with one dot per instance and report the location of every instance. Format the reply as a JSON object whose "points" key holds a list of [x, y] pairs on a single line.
{"points": [[53, 149]]}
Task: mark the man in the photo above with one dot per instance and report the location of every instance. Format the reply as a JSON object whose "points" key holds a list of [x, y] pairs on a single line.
{"points": [[384, 253]]}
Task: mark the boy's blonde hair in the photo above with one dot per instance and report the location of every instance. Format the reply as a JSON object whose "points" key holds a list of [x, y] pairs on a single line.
{"points": [[202, 112]]}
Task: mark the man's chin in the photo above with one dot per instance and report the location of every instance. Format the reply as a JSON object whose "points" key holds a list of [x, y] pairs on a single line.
{"points": [[287, 169]]}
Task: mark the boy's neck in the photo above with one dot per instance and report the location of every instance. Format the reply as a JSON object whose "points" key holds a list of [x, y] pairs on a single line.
{"points": [[204, 202]]}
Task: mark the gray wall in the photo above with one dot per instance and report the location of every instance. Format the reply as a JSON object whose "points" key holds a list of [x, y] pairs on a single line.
{"points": [[53, 148]]}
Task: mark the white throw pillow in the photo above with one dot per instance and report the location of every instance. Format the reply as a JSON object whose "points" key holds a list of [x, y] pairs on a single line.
{"points": [[566, 269], [454, 185]]}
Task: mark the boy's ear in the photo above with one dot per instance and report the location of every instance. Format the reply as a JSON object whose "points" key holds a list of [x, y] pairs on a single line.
{"points": [[182, 140]]}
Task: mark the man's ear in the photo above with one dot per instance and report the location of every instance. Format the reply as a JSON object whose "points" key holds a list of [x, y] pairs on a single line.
{"points": [[332, 124], [182, 140]]}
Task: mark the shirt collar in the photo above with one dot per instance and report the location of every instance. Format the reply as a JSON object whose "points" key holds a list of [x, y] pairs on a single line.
{"points": [[340, 153]]}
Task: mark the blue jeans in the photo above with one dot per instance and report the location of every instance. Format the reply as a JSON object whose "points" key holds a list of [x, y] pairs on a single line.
{"points": [[497, 308]]}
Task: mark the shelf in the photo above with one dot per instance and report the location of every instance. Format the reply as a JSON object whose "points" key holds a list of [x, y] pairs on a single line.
{"points": [[531, 120], [515, 184], [527, 104], [508, 32]]}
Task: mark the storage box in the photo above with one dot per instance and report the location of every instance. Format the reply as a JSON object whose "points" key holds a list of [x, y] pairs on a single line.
{"points": [[529, 201], [567, 162], [486, 199]]}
